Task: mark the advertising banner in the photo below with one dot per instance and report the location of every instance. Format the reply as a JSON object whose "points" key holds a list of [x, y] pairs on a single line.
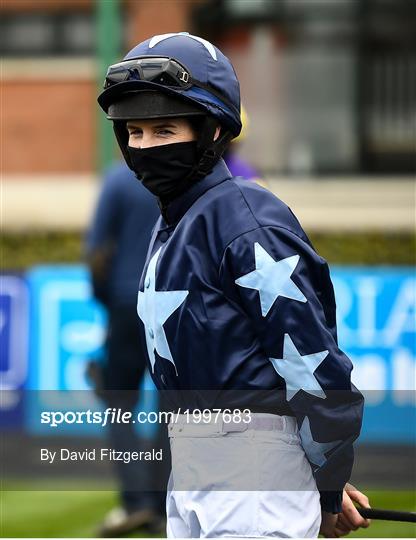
{"points": [[67, 329], [13, 347], [376, 328]]}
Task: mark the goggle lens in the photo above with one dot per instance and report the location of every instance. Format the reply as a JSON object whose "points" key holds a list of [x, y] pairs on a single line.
{"points": [[164, 71]]}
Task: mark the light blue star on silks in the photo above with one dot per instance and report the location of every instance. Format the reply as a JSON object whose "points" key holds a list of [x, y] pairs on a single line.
{"points": [[154, 308], [297, 370], [272, 279], [314, 450]]}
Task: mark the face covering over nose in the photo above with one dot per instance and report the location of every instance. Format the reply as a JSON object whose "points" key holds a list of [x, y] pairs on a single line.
{"points": [[166, 170]]}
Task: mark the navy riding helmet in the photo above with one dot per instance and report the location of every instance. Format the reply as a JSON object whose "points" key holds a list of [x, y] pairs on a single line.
{"points": [[181, 66]]}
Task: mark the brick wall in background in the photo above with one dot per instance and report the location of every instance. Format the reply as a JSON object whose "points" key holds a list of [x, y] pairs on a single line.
{"points": [[49, 109], [48, 126], [158, 17]]}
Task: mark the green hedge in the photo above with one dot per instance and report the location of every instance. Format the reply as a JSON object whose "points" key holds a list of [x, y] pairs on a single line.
{"points": [[366, 248], [19, 251]]}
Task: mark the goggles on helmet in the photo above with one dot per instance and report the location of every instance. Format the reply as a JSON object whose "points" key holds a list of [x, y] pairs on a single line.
{"points": [[161, 70]]}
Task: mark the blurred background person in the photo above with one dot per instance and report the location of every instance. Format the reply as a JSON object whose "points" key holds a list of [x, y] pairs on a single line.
{"points": [[235, 161], [116, 248]]}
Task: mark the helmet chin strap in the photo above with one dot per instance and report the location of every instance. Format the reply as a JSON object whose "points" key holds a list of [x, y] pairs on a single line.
{"points": [[209, 150], [122, 136]]}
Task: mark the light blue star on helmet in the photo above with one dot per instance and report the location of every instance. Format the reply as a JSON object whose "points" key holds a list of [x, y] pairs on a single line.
{"points": [[298, 371], [272, 279], [314, 450], [209, 46], [154, 309]]}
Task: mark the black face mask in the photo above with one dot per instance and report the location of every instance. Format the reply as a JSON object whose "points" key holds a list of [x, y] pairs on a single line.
{"points": [[168, 170]]}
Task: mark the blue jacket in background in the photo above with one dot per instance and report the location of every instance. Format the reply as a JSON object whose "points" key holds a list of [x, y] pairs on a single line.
{"points": [[124, 218]]}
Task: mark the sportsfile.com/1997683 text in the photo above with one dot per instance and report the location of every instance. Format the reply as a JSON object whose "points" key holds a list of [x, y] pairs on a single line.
{"points": [[120, 416]]}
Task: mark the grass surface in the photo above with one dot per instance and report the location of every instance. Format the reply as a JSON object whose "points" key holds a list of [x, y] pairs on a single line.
{"points": [[53, 514], [74, 514]]}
